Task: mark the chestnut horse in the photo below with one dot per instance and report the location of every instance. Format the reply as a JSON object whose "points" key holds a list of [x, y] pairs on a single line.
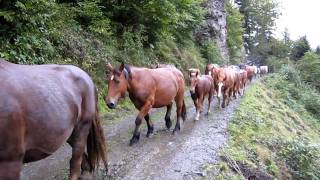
{"points": [[226, 78], [243, 80], [43, 106], [148, 88], [237, 81], [250, 72], [213, 70], [200, 87]]}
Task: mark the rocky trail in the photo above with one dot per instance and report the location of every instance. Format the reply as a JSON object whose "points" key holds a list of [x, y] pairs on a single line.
{"points": [[162, 156]]}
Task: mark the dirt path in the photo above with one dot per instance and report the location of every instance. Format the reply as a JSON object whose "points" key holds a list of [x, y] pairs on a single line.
{"points": [[163, 156]]}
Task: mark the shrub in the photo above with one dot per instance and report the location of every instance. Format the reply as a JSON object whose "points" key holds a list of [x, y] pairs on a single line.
{"points": [[302, 159]]}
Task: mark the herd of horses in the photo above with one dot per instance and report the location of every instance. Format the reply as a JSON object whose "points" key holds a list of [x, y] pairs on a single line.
{"points": [[44, 106]]}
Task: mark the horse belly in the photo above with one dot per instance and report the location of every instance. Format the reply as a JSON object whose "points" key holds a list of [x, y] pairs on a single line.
{"points": [[164, 97]]}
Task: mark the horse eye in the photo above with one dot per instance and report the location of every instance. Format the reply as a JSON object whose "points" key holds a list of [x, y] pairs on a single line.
{"points": [[116, 81]]}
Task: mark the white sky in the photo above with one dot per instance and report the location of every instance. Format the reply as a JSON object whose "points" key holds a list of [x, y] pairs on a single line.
{"points": [[301, 18]]}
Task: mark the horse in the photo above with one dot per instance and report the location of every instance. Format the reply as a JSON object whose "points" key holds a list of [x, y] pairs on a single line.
{"points": [[41, 108], [243, 80], [251, 72], [213, 69], [147, 88], [263, 70], [200, 87], [209, 68], [225, 78], [237, 81]]}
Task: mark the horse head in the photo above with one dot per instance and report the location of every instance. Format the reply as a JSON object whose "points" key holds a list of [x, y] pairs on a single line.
{"points": [[194, 75], [220, 78], [117, 84]]}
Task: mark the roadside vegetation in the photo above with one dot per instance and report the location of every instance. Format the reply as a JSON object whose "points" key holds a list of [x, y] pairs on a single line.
{"points": [[275, 131]]}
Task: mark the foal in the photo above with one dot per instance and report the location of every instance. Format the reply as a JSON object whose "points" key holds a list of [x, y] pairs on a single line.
{"points": [[200, 86]]}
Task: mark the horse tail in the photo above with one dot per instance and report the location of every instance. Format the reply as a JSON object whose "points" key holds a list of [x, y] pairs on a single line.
{"points": [[96, 143], [184, 111]]}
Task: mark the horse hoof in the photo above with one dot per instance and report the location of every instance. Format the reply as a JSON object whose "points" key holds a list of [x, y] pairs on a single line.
{"points": [[149, 135], [168, 124], [134, 139]]}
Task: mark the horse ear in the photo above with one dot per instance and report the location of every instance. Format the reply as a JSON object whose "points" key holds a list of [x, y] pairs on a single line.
{"points": [[109, 67], [198, 74], [121, 67], [189, 72]]}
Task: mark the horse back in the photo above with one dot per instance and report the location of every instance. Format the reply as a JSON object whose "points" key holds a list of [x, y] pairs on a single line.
{"points": [[40, 105]]}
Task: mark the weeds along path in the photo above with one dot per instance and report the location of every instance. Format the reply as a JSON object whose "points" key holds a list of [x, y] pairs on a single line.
{"points": [[162, 156]]}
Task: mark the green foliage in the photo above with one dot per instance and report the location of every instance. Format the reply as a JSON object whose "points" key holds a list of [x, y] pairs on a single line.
{"points": [[275, 63], [300, 47], [211, 52], [274, 131], [159, 17], [317, 51], [302, 159], [235, 32], [309, 66], [259, 23]]}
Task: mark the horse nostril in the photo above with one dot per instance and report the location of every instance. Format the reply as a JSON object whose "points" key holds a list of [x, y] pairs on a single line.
{"points": [[111, 105]]}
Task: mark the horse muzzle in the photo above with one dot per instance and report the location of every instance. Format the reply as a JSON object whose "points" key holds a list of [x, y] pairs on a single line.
{"points": [[192, 90], [111, 105]]}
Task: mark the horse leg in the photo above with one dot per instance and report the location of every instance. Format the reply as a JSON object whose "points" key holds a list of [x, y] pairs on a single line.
{"points": [[229, 98], [197, 104], [225, 97], [167, 117], [78, 142], [209, 101], [10, 170], [179, 103], [143, 112], [149, 124]]}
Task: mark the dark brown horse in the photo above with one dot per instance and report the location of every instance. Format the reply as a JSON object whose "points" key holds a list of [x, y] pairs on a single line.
{"points": [[43, 106], [226, 80], [200, 87], [148, 88]]}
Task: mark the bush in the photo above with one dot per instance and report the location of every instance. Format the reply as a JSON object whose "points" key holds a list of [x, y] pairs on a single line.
{"points": [[211, 52], [301, 158], [309, 66], [291, 74]]}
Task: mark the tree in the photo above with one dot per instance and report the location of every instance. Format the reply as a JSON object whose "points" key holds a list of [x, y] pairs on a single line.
{"points": [[309, 66], [300, 47], [235, 32], [317, 50], [259, 23]]}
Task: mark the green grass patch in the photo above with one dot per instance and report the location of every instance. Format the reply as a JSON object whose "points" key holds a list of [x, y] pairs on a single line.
{"points": [[274, 130]]}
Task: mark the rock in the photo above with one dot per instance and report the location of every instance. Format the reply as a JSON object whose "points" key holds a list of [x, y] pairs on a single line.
{"points": [[215, 26]]}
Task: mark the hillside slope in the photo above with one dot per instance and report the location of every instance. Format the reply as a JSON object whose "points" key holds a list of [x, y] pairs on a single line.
{"points": [[273, 133]]}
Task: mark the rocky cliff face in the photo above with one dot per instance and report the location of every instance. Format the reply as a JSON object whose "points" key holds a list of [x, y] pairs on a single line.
{"points": [[215, 26]]}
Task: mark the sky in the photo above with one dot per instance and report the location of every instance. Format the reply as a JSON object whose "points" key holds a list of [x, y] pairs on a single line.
{"points": [[301, 18]]}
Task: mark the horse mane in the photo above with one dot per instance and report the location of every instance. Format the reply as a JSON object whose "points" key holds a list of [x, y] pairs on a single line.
{"points": [[127, 72]]}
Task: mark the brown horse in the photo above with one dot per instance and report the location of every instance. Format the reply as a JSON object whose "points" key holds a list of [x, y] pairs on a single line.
{"points": [[213, 70], [226, 80], [43, 106], [243, 80], [200, 87], [250, 72], [148, 88]]}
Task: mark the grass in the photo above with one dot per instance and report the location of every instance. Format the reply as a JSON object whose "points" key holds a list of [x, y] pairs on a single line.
{"points": [[272, 132]]}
